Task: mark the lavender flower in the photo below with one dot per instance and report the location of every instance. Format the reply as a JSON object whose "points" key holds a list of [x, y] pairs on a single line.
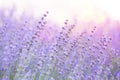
{"points": [[37, 51]]}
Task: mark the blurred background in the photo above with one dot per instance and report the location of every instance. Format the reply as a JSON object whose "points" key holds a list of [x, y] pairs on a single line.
{"points": [[105, 14]]}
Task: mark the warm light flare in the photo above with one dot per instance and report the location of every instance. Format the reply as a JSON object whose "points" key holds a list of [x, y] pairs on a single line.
{"points": [[82, 11]]}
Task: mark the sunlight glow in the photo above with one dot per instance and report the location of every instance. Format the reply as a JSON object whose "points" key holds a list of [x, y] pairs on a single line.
{"points": [[82, 10]]}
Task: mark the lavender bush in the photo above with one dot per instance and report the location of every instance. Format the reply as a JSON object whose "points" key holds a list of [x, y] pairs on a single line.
{"points": [[40, 52]]}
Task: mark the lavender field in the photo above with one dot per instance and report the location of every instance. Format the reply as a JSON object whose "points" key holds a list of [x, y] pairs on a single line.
{"points": [[37, 50]]}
